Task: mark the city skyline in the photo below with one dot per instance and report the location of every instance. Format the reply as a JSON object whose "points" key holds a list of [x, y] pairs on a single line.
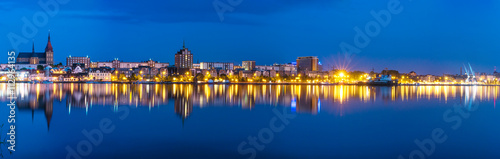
{"points": [[344, 65]]}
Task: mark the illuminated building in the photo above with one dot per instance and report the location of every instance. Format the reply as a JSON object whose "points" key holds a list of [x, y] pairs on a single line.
{"points": [[309, 63], [184, 58], [100, 75], [248, 65], [216, 65]]}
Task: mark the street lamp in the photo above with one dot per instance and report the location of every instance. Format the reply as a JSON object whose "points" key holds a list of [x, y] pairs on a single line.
{"points": [[341, 74]]}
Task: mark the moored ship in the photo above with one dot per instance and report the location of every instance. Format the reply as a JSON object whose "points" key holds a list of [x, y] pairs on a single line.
{"points": [[384, 80]]}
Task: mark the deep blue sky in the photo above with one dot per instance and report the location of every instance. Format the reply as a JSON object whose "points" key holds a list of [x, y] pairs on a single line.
{"points": [[428, 36]]}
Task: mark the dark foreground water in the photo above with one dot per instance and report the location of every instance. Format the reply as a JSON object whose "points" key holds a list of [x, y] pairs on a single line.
{"points": [[245, 121]]}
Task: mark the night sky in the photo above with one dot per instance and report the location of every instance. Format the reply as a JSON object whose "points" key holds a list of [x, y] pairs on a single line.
{"points": [[427, 36]]}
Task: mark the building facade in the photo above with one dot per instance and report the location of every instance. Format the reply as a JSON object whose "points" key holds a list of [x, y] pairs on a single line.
{"points": [[78, 60], [120, 64], [216, 65], [309, 63], [184, 58], [283, 69], [248, 65], [100, 75]]}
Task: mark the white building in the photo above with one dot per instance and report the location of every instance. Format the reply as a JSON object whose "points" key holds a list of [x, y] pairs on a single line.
{"points": [[120, 64], [100, 75], [216, 65]]}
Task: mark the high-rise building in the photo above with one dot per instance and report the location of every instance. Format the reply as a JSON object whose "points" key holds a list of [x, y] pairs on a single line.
{"points": [[184, 58], [33, 57], [309, 63], [248, 65]]}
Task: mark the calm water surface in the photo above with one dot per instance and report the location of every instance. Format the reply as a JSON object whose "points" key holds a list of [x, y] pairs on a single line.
{"points": [[214, 121]]}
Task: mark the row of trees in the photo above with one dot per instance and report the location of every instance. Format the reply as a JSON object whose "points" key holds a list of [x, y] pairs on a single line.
{"points": [[338, 76]]}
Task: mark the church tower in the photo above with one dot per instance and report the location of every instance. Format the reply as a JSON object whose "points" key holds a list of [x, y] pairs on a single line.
{"points": [[49, 53]]}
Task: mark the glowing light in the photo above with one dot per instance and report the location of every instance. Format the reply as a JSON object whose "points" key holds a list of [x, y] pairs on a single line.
{"points": [[341, 74]]}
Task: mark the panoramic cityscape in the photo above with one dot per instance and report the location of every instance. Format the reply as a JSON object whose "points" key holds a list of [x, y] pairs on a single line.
{"points": [[253, 79]]}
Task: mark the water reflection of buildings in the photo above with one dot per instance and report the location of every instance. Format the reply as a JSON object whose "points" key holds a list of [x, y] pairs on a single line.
{"points": [[301, 98], [42, 100], [183, 107]]}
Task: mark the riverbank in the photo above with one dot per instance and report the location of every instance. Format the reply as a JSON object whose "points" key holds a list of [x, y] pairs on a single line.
{"points": [[260, 83]]}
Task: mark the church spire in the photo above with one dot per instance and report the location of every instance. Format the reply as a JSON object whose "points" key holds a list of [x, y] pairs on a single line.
{"points": [[183, 44], [49, 45]]}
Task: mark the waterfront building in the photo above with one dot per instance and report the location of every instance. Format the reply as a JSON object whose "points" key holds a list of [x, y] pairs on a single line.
{"points": [[120, 64], [146, 72], [100, 75], [250, 74], [309, 63], [211, 73], [125, 71], [283, 69], [33, 57], [269, 73], [216, 65], [287, 67], [248, 65], [80, 60]]}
